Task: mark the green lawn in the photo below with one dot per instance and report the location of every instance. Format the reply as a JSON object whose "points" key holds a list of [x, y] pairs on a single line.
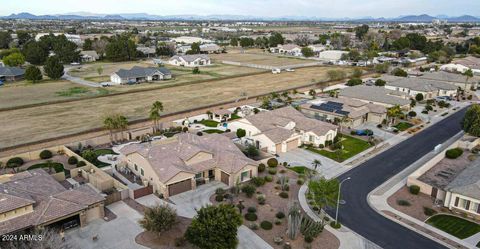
{"points": [[101, 152], [213, 131], [455, 226], [209, 123], [58, 167], [351, 147], [234, 116], [299, 169], [403, 126]]}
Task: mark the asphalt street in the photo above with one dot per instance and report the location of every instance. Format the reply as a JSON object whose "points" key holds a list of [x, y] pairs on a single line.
{"points": [[360, 217]]}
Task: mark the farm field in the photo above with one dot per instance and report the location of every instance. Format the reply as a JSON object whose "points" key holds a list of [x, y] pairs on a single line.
{"points": [[67, 118]]}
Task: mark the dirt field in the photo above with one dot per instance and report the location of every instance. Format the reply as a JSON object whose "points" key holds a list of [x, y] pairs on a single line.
{"points": [[37, 123], [256, 57]]}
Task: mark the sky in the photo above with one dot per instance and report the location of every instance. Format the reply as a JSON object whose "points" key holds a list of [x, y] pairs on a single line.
{"points": [[266, 8]]}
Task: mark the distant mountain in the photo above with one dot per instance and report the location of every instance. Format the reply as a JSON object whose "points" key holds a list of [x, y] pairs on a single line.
{"points": [[144, 16]]}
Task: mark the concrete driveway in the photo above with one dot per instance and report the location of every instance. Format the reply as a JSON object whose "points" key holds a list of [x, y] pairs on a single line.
{"points": [[119, 233], [302, 157]]}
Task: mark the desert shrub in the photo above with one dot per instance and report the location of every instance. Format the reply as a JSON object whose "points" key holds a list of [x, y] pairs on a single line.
{"points": [[272, 162], [272, 171], [252, 210], [268, 178], [277, 221], [45, 154], [219, 198], [81, 164], [280, 215], [335, 225], [14, 162], [261, 200], [266, 225], [429, 211], [258, 181], [414, 189], [283, 194], [308, 239], [300, 181], [453, 153], [249, 190], [253, 226], [403, 203], [72, 160], [251, 216], [261, 167]]}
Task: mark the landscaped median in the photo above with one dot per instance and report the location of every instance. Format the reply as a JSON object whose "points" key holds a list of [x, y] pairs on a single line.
{"points": [[351, 146]]}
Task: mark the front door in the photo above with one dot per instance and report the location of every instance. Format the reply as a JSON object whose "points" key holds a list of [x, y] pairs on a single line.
{"points": [[434, 192], [211, 174], [225, 178]]}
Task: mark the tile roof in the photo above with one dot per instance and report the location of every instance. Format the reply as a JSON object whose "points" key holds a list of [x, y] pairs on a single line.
{"points": [[421, 84], [375, 94], [448, 77], [467, 183], [355, 108], [169, 157], [11, 71], [49, 198], [141, 72]]}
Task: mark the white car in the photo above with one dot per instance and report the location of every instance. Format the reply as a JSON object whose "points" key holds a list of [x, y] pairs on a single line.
{"points": [[276, 70], [75, 63], [290, 70]]}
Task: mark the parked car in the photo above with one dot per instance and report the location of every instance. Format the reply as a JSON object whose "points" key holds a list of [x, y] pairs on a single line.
{"points": [[75, 63], [290, 70], [444, 98], [106, 84], [276, 71], [1, 83]]}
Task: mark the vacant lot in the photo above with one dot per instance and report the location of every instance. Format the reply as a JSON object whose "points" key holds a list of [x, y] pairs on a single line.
{"points": [[33, 124], [259, 58]]}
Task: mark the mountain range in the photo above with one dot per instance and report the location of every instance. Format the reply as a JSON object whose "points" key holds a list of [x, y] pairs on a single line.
{"points": [[145, 16]]}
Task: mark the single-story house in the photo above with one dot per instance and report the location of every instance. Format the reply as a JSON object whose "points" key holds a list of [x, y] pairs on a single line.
{"points": [[376, 95], [140, 74], [33, 198], [317, 48], [89, 56], [11, 73], [470, 62], [415, 85], [350, 112], [194, 60], [288, 49], [283, 129], [183, 162], [147, 51], [210, 48], [331, 55], [453, 183], [183, 49], [457, 79]]}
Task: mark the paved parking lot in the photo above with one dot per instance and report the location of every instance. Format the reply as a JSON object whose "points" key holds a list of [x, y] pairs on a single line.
{"points": [[302, 157]]}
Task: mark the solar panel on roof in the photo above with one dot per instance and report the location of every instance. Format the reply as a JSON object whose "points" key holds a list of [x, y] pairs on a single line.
{"points": [[342, 112], [334, 104]]}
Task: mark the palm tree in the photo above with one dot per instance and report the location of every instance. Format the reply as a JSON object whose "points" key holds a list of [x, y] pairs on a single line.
{"points": [[393, 112], [154, 114], [316, 163], [121, 124], [109, 124], [468, 74], [343, 121], [324, 192]]}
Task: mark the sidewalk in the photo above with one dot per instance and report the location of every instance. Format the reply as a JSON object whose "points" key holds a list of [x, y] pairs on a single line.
{"points": [[348, 238], [377, 199]]}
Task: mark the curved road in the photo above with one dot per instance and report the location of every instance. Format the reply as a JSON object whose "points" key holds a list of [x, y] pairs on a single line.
{"points": [[357, 215]]}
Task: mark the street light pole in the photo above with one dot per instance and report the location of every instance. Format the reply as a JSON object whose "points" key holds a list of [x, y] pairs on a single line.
{"points": [[338, 199]]}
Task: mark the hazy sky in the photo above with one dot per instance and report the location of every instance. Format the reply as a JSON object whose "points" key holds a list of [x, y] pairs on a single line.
{"points": [[271, 8]]}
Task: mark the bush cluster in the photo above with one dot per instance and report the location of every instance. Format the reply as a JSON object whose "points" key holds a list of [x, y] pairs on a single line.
{"points": [[251, 216], [268, 178], [414, 189], [45, 154], [429, 211], [283, 194], [261, 167], [272, 162], [453, 153], [272, 171], [266, 225], [280, 215], [72, 160], [15, 162]]}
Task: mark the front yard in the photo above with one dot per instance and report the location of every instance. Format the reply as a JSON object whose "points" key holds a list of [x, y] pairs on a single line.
{"points": [[351, 147], [209, 123], [402, 126], [455, 226]]}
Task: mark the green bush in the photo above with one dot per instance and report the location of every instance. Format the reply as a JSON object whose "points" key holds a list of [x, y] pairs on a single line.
{"points": [[266, 225], [268, 178], [283, 194], [335, 225], [258, 181], [261, 167], [300, 181], [72, 160], [453, 153], [429, 211], [249, 190], [403, 203], [308, 239], [280, 215], [261, 200], [219, 198], [81, 164], [272, 171], [252, 210], [220, 191], [45, 154], [251, 216], [272, 162], [414, 189], [14, 162]]}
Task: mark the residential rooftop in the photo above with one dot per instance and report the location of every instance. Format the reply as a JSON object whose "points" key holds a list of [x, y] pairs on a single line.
{"points": [[375, 94]]}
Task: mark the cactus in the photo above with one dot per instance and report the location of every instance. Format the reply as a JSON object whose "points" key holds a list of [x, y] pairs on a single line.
{"points": [[294, 219], [310, 228], [283, 182]]}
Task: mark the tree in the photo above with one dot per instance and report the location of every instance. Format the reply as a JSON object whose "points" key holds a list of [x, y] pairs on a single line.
{"points": [[53, 68], [380, 82], [14, 60], [361, 31], [324, 192], [196, 70], [275, 39], [354, 82], [158, 219], [215, 227], [88, 44], [109, 124], [382, 68], [234, 42], [399, 72], [5, 39], [23, 37], [241, 133], [357, 73], [251, 151], [419, 97], [471, 121], [121, 48], [246, 42], [316, 163], [65, 50], [154, 114], [33, 74], [468, 74], [394, 112], [35, 53], [307, 52], [195, 48], [165, 49]]}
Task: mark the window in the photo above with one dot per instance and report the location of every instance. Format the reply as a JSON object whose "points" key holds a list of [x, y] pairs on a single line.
{"points": [[456, 201], [136, 167], [311, 138], [141, 171], [198, 176], [245, 176]]}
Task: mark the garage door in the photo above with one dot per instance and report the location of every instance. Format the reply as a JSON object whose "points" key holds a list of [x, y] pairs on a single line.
{"points": [[292, 144], [179, 187], [278, 148], [225, 178]]}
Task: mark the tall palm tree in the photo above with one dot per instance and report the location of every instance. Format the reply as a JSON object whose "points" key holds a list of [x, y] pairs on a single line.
{"points": [[121, 124], [468, 74], [316, 163], [154, 114], [393, 112], [109, 124]]}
